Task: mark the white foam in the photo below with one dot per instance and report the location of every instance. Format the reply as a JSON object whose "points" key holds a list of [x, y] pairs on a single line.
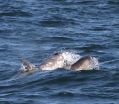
{"points": [[94, 63], [70, 58]]}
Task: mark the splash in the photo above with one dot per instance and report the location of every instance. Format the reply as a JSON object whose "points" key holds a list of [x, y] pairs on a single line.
{"points": [[70, 57]]}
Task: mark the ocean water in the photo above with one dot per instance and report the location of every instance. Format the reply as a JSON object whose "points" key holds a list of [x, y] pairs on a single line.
{"points": [[34, 29]]}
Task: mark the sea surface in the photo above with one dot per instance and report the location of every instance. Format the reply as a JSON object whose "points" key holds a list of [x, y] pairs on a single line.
{"points": [[34, 29]]}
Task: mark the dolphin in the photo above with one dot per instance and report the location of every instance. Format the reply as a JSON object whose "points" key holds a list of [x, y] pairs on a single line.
{"points": [[86, 63]]}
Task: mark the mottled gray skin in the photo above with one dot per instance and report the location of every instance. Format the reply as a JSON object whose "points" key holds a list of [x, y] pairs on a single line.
{"points": [[86, 63]]}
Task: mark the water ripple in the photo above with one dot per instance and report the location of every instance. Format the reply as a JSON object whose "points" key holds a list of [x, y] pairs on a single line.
{"points": [[34, 29]]}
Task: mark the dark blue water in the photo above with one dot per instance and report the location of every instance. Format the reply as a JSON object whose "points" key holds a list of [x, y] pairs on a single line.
{"points": [[34, 29]]}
